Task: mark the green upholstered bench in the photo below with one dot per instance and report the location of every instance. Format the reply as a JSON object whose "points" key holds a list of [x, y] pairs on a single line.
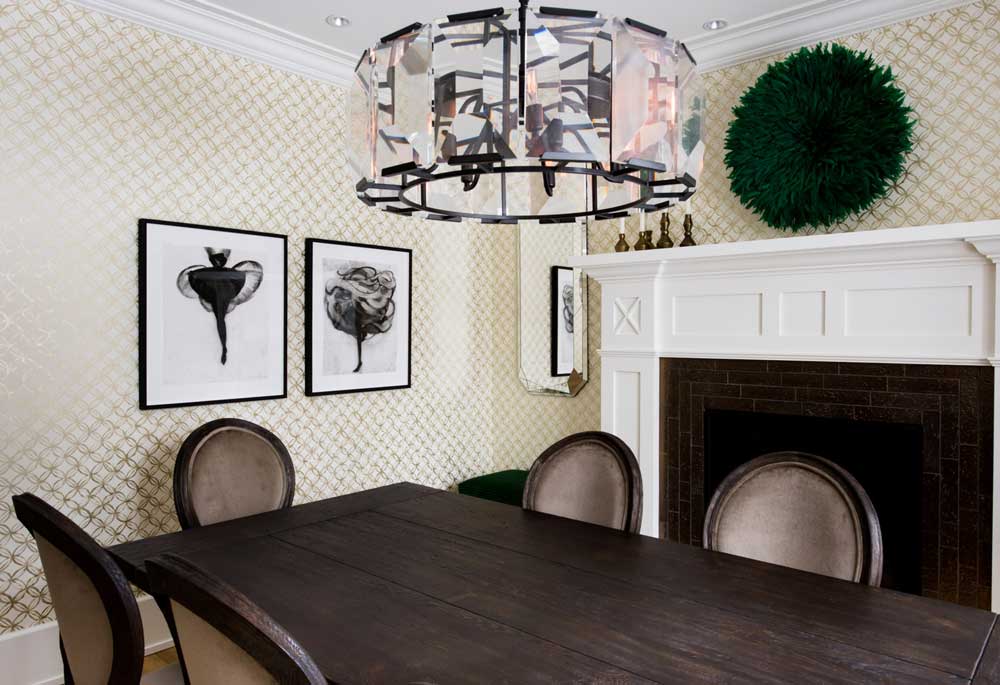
{"points": [[503, 486]]}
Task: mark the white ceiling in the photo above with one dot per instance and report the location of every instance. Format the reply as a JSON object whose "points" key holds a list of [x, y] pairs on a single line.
{"points": [[375, 18], [292, 34]]}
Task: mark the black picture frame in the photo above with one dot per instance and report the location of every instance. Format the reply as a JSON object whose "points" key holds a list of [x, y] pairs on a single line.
{"points": [[312, 388], [144, 228], [556, 274]]}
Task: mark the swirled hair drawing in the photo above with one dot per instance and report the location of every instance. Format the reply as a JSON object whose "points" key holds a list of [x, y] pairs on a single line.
{"points": [[359, 303]]}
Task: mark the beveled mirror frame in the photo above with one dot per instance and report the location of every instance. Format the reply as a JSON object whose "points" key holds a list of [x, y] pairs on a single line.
{"points": [[534, 326]]}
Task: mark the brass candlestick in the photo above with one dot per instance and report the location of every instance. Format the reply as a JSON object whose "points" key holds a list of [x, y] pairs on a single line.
{"points": [[688, 225], [622, 244], [664, 240]]}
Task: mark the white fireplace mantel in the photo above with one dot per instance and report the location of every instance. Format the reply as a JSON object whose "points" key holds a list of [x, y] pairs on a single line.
{"points": [[927, 294]]}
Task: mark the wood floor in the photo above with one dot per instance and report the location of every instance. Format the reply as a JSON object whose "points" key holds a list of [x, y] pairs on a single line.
{"points": [[157, 660]]}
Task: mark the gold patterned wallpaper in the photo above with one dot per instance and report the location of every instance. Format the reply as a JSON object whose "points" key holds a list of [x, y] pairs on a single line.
{"points": [[103, 122]]}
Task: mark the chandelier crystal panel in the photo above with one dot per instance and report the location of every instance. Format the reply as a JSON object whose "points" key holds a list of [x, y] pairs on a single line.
{"points": [[504, 115]]}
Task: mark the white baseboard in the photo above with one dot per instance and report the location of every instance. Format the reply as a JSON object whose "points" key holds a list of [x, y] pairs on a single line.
{"points": [[31, 656]]}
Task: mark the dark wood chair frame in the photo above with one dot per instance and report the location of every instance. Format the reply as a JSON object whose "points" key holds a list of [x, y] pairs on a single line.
{"points": [[626, 460], [871, 572], [173, 578], [112, 587], [186, 513]]}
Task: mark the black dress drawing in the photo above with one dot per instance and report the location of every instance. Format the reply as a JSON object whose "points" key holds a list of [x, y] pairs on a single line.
{"points": [[359, 302], [220, 288]]}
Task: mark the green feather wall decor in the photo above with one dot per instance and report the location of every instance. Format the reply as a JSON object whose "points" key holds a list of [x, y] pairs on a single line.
{"points": [[820, 136]]}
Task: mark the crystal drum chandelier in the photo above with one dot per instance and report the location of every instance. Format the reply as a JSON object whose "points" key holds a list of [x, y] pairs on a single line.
{"points": [[506, 115]]}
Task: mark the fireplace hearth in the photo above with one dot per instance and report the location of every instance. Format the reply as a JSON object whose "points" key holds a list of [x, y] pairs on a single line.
{"points": [[914, 435]]}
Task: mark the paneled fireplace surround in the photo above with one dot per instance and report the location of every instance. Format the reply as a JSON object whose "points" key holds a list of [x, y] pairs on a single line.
{"points": [[887, 338]]}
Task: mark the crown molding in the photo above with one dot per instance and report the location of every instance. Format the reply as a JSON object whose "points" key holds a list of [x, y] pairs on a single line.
{"points": [[204, 22], [213, 26], [804, 24]]}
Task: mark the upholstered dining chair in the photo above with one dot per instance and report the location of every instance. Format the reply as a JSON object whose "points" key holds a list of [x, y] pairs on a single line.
{"points": [[223, 637], [100, 632], [592, 477], [797, 510], [230, 468]]}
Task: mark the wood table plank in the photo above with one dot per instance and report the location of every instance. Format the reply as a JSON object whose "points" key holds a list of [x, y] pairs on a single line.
{"points": [[362, 629], [132, 555], [657, 636], [935, 634], [989, 665]]}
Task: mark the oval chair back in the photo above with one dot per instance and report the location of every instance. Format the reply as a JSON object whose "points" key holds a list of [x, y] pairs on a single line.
{"points": [[231, 468], [797, 510], [100, 631], [592, 477], [223, 636]]}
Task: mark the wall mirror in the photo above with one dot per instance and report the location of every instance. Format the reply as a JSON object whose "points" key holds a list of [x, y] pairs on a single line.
{"points": [[552, 308]]}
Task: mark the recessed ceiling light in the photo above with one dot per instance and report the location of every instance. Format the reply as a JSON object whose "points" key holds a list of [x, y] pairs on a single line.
{"points": [[715, 24], [338, 21]]}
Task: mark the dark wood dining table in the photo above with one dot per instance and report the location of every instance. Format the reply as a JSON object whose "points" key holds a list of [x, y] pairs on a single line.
{"points": [[408, 584]]}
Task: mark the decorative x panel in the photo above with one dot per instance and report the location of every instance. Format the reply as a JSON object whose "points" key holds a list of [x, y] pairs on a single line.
{"points": [[627, 316]]}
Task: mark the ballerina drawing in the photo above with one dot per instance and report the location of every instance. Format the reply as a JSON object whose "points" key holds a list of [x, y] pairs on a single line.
{"points": [[220, 288]]}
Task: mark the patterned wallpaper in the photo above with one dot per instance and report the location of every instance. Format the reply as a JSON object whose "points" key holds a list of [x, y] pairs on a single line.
{"points": [[103, 122]]}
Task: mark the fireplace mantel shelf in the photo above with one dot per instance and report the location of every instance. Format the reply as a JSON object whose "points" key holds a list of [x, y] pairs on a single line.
{"points": [[971, 241], [907, 295], [925, 295]]}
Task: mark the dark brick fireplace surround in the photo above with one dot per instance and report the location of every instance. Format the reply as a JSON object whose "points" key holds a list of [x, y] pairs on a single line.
{"points": [[953, 406]]}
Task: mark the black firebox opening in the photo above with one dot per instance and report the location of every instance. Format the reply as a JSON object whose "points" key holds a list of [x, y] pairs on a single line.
{"points": [[884, 457]]}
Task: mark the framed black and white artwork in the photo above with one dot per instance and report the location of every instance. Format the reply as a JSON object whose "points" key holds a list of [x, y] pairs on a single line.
{"points": [[562, 308], [212, 314], [358, 317]]}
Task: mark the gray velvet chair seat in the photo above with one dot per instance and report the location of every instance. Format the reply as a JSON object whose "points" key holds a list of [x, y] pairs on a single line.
{"points": [[800, 511], [100, 629], [591, 476], [231, 468], [222, 636]]}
